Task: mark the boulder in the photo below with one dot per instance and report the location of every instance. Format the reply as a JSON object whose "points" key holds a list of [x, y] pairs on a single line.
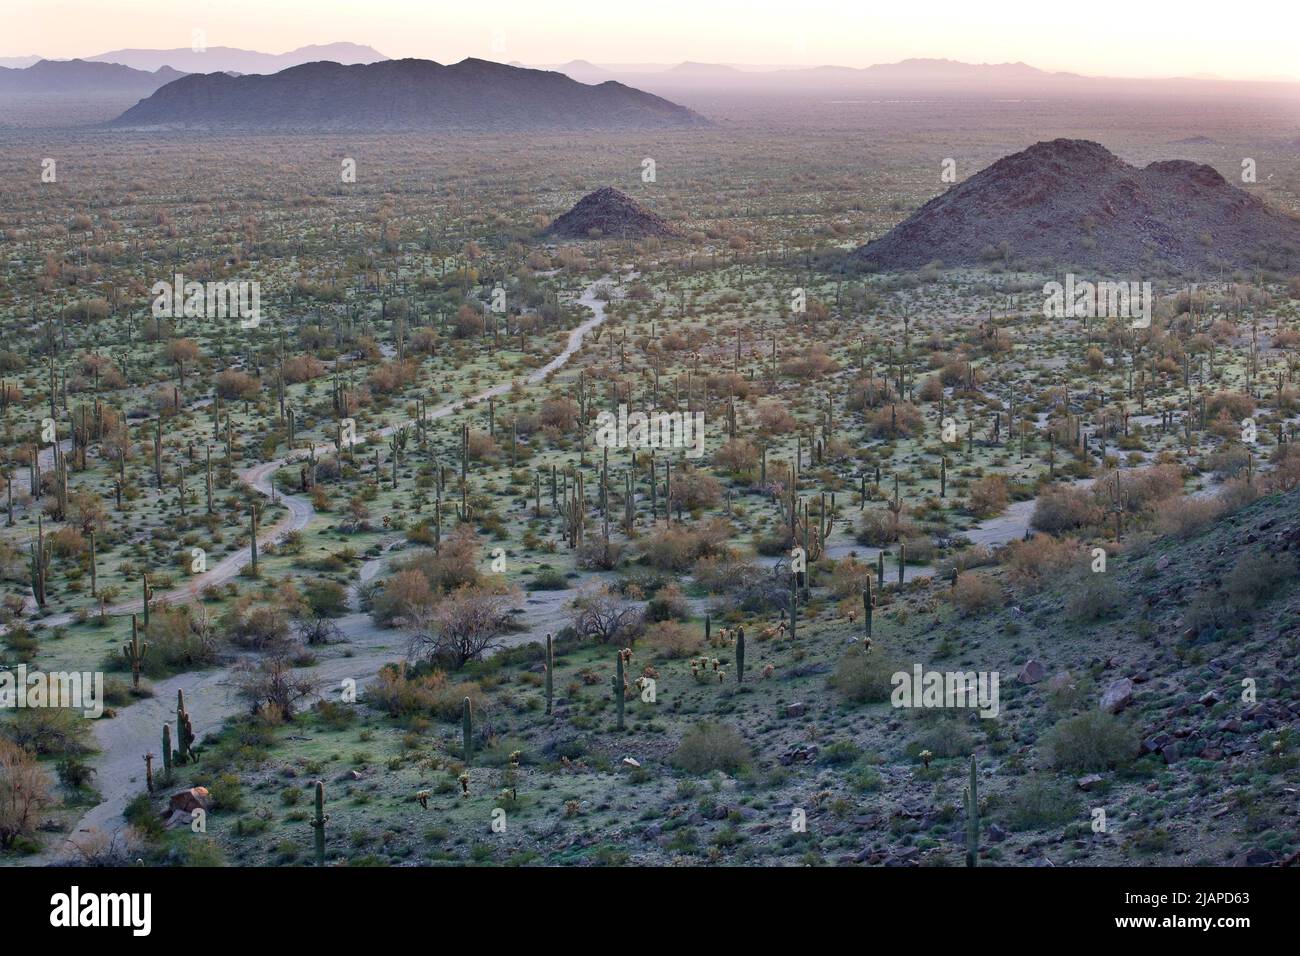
{"points": [[195, 798], [1117, 696], [1032, 672]]}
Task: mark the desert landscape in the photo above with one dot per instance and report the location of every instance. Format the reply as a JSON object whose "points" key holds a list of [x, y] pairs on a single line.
{"points": [[473, 464]]}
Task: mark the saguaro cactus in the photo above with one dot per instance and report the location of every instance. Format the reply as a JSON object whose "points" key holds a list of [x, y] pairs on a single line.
{"points": [[40, 564], [184, 730], [619, 688], [167, 750], [134, 652], [740, 655], [318, 823], [550, 672], [972, 801], [467, 730], [252, 537], [146, 592]]}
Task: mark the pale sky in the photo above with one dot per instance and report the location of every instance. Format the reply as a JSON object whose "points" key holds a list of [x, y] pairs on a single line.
{"points": [[1250, 40]]}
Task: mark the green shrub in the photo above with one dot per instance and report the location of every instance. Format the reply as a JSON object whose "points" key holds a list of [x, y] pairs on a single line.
{"points": [[1093, 740], [707, 747]]}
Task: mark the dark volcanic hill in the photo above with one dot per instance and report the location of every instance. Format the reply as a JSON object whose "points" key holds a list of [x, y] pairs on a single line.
{"points": [[83, 76], [610, 214], [404, 95], [1071, 202]]}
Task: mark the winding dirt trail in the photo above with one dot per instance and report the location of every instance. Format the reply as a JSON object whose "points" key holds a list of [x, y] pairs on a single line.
{"points": [[210, 696]]}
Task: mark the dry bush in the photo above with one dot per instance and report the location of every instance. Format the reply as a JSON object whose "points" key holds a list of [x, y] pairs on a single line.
{"points": [[1063, 508], [672, 640], [1043, 555], [677, 547], [1183, 517], [24, 793], [738, 456], [988, 496], [602, 615], [693, 489], [400, 693], [899, 420], [975, 593], [234, 385]]}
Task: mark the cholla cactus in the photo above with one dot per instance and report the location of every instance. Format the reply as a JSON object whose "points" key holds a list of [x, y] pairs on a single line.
{"points": [[926, 757], [463, 780]]}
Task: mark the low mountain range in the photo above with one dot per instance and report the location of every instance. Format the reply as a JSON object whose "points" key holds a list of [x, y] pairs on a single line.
{"points": [[404, 95], [228, 59], [83, 76], [1072, 202]]}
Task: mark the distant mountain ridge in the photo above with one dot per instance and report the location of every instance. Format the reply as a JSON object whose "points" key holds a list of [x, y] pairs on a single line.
{"points": [[83, 76], [226, 59], [1073, 202], [404, 94]]}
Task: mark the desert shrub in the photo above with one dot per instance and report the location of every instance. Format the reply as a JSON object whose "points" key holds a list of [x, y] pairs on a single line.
{"points": [[879, 527], [692, 489], [597, 554], [49, 731], [677, 547], [1091, 596], [975, 593], [1040, 802], [1093, 740], [1061, 509], [24, 793], [988, 496], [864, 677], [1041, 557], [326, 598], [1258, 576], [672, 640], [403, 692], [944, 737], [602, 615], [234, 385], [180, 638], [849, 577], [1183, 517], [708, 747], [668, 604], [896, 421], [738, 456]]}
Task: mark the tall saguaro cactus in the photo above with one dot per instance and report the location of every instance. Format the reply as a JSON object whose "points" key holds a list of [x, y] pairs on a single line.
{"points": [[619, 687], [972, 801], [740, 655], [467, 730], [134, 652], [318, 822], [184, 730], [550, 672]]}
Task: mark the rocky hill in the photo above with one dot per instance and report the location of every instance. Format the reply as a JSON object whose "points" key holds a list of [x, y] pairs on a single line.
{"points": [[1073, 203], [610, 214], [470, 95]]}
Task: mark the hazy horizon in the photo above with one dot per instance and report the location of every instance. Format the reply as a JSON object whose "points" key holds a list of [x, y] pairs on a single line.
{"points": [[1139, 43]]}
